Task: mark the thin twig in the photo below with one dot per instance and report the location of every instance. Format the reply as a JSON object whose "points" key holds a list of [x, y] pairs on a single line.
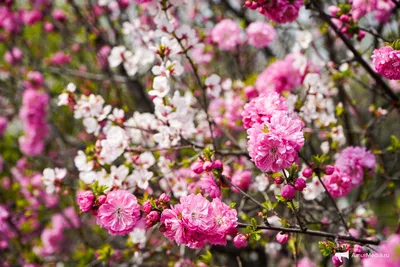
{"points": [[314, 233]]}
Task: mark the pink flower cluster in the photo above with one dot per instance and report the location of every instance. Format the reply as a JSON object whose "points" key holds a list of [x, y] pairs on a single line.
{"points": [[274, 145], [260, 34], [241, 179], [195, 221], [280, 76], [338, 184], [386, 61], [260, 109], [226, 34], [53, 238], [382, 9], [349, 171], [352, 161], [119, 213], [5, 230], [226, 111], [33, 116], [390, 247], [280, 11]]}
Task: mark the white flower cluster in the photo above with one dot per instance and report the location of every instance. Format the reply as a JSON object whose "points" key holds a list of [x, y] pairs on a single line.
{"points": [[52, 178]]}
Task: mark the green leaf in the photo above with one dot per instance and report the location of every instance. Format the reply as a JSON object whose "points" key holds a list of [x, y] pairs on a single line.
{"points": [[394, 144], [232, 205], [206, 257], [255, 236], [326, 247], [280, 198], [254, 223], [319, 159], [105, 253], [269, 205]]}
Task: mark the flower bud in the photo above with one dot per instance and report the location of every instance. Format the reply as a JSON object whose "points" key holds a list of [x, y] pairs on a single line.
{"points": [[288, 192], [146, 207], [217, 164], [337, 261], [358, 249], [102, 199], [153, 216], [207, 166], [300, 184], [282, 238], [344, 18], [361, 35], [197, 167], [164, 198], [85, 200], [307, 172], [329, 169], [48, 27], [240, 241], [278, 180]]}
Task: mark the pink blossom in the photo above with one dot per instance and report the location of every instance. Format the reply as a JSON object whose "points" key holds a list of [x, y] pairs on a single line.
{"points": [[52, 241], [152, 218], [197, 167], [241, 179], [281, 11], [120, 213], [225, 220], [273, 146], [282, 238], [338, 183], [300, 184], [59, 15], [261, 109], [200, 55], [328, 169], [9, 20], [227, 111], [390, 247], [260, 34], [240, 241], [279, 76], [386, 61], [34, 80], [147, 206], [384, 9], [85, 200], [195, 221], [307, 172], [48, 27], [164, 198], [102, 56], [337, 261], [30, 17], [33, 116], [381, 8], [60, 58], [352, 161], [226, 34], [306, 262], [14, 56], [3, 125], [207, 186], [288, 192]]}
